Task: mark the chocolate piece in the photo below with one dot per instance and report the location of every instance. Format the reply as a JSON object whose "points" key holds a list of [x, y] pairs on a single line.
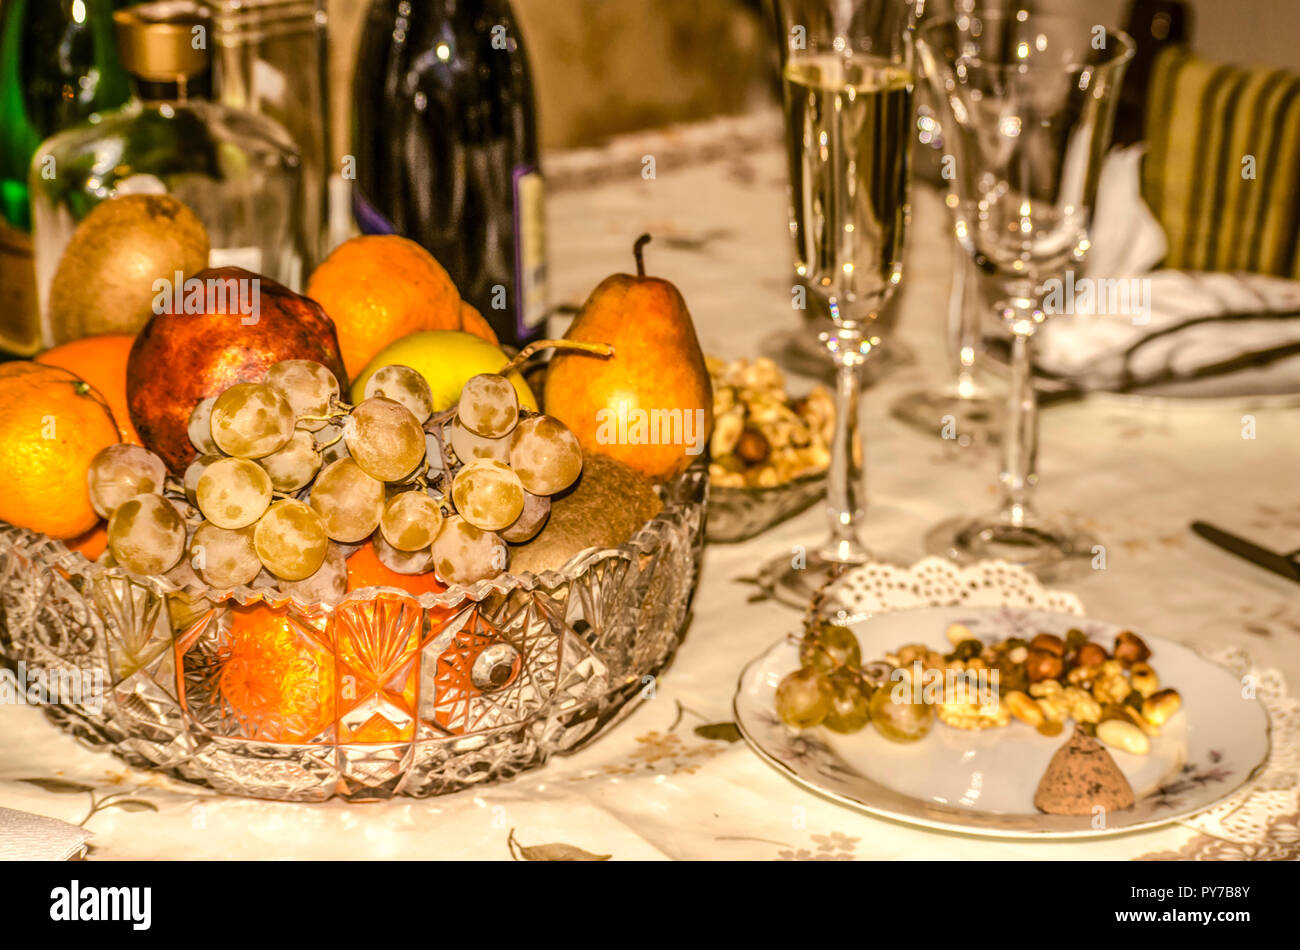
{"points": [[1081, 776]]}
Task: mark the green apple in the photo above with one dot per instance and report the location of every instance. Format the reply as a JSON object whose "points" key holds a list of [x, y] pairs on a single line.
{"points": [[446, 359]]}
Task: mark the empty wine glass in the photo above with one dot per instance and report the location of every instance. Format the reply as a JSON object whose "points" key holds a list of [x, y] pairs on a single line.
{"points": [[962, 401], [846, 70], [1030, 105]]}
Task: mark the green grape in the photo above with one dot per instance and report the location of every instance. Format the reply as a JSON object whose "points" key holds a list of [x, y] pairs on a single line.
{"points": [[537, 508], [250, 420], [850, 702], [195, 470], [487, 494], [224, 558], [829, 646], [488, 405], [146, 534], [200, 427], [899, 721], [419, 561], [404, 385], [411, 521], [803, 699], [545, 455], [233, 492], [290, 540], [463, 554], [294, 466], [349, 502], [326, 586], [308, 388], [119, 472], [470, 446], [385, 438]]}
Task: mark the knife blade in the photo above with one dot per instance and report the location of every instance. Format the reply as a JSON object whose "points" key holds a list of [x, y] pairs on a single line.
{"points": [[1283, 564]]}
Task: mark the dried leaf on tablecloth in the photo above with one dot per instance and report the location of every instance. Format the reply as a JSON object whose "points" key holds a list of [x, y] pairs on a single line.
{"points": [[58, 785], [556, 851], [721, 731]]}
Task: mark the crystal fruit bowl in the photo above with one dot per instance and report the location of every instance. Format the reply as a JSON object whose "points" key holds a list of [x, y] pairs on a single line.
{"points": [[384, 693]]}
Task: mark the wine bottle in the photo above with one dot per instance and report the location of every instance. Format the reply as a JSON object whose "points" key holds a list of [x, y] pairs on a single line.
{"points": [[445, 143], [58, 64]]}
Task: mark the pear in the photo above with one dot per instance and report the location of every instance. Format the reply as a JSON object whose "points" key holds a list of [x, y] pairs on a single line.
{"points": [[650, 405]]}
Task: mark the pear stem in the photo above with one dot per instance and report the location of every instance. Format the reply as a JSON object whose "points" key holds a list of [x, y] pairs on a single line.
{"points": [[637, 252], [602, 350]]}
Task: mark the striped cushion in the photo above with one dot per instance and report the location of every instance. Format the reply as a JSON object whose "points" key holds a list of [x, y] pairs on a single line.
{"points": [[1203, 118]]}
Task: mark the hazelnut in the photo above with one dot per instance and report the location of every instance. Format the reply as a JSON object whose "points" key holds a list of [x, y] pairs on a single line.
{"points": [[1049, 642], [1043, 665], [1143, 679], [1092, 654], [1129, 648], [753, 447]]}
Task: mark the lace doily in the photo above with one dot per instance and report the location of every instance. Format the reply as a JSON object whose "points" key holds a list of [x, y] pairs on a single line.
{"points": [[936, 582], [1245, 817]]}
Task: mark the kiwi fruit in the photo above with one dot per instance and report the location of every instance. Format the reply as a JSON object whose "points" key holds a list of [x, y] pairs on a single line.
{"points": [[608, 504], [104, 281]]}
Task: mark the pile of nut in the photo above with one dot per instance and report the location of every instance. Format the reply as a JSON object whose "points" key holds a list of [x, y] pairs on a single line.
{"points": [[761, 437], [1048, 680]]}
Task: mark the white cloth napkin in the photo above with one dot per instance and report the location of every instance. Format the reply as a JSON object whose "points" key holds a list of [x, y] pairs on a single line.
{"points": [[28, 837], [1127, 301]]}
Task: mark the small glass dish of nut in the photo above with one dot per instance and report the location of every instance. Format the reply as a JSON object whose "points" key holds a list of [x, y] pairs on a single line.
{"points": [[769, 452]]}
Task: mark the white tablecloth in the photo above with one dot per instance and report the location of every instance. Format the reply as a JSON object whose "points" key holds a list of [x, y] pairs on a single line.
{"points": [[651, 787]]}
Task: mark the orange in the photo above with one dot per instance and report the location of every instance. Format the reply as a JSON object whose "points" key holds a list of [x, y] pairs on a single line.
{"points": [[471, 321], [277, 679], [366, 570], [379, 287], [51, 425], [92, 543], [100, 361]]}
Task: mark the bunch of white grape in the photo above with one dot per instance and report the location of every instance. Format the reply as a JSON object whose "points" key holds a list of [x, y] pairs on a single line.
{"points": [[507, 465], [290, 479]]}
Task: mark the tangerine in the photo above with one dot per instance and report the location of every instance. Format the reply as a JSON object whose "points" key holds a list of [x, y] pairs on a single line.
{"points": [[52, 423], [276, 678], [366, 570], [100, 361], [379, 287], [471, 321]]}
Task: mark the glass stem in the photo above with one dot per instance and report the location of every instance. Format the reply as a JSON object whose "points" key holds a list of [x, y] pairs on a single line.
{"points": [[846, 488], [963, 325], [1019, 472]]}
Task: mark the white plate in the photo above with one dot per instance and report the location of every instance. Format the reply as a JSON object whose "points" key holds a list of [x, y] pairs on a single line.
{"points": [[984, 782]]}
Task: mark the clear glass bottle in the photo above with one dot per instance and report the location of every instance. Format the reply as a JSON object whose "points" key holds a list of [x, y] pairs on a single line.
{"points": [[269, 57], [239, 172]]}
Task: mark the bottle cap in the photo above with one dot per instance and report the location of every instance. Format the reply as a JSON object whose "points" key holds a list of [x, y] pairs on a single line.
{"points": [[165, 41]]}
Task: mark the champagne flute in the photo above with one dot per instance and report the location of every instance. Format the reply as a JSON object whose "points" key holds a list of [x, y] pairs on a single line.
{"points": [[1030, 106], [962, 398], [846, 69]]}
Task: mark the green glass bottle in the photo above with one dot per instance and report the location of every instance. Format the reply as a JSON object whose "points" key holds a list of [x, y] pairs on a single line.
{"points": [[58, 65]]}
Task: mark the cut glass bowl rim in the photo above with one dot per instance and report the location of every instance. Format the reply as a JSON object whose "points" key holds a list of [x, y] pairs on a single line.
{"points": [[678, 496]]}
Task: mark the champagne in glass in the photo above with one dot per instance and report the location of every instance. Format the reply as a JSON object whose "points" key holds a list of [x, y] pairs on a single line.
{"points": [[847, 72], [849, 118]]}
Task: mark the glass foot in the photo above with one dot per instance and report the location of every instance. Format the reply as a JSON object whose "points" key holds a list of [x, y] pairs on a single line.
{"points": [[785, 581], [944, 413], [1050, 550]]}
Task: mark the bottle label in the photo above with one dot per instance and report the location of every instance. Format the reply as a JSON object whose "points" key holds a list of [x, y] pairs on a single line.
{"points": [[530, 247]]}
